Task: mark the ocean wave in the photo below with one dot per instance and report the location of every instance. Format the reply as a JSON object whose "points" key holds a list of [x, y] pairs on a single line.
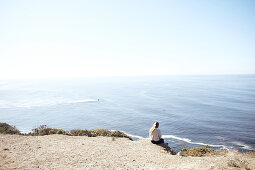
{"points": [[242, 145], [189, 141]]}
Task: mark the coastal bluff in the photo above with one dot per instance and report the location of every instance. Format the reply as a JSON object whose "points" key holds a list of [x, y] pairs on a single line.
{"points": [[82, 152]]}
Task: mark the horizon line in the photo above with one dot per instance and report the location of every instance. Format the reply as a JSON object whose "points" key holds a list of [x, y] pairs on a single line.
{"points": [[119, 76]]}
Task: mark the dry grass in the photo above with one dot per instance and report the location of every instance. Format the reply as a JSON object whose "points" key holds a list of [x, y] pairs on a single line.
{"points": [[238, 164], [199, 151]]}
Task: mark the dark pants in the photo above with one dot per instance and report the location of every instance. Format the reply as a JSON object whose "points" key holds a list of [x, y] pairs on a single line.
{"points": [[158, 142]]}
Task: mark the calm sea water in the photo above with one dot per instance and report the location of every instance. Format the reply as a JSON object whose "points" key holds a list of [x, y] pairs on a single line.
{"points": [[192, 110]]}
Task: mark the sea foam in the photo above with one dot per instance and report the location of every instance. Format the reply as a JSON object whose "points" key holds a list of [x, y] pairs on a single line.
{"points": [[189, 141], [42, 103]]}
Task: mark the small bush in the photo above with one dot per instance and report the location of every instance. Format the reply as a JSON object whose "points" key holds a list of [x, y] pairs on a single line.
{"points": [[45, 130], [61, 131], [198, 151], [52, 131], [79, 132], [184, 149], [8, 129], [117, 133], [99, 132]]}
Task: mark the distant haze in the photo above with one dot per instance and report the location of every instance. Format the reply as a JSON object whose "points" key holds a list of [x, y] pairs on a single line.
{"points": [[46, 39]]}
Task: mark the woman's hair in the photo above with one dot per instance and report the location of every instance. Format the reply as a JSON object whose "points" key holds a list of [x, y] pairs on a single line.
{"points": [[155, 125]]}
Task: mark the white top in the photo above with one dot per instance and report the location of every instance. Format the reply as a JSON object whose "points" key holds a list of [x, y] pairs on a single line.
{"points": [[156, 135]]}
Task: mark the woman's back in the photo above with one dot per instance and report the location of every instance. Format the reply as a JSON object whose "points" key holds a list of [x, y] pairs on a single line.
{"points": [[156, 135]]}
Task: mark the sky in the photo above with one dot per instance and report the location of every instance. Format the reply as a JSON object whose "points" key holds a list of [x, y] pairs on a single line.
{"points": [[79, 38]]}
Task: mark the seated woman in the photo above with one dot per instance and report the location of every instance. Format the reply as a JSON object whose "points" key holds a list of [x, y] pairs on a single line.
{"points": [[155, 134]]}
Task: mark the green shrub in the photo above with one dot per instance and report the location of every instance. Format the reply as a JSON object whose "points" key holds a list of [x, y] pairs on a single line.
{"points": [[45, 130], [101, 132], [52, 131], [98, 132], [61, 131], [184, 149], [79, 132], [8, 129]]}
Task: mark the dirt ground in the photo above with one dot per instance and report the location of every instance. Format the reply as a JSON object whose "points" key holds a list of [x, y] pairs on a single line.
{"points": [[81, 152]]}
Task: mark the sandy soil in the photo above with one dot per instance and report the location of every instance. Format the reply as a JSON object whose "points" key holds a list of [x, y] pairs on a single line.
{"points": [[80, 152]]}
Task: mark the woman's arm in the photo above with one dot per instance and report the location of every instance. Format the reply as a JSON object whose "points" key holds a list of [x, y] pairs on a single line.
{"points": [[159, 134]]}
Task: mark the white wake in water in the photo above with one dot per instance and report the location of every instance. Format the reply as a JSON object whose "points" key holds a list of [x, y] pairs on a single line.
{"points": [[41, 103], [189, 141], [82, 101]]}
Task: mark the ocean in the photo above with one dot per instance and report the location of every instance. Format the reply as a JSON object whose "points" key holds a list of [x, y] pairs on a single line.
{"points": [[218, 111]]}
